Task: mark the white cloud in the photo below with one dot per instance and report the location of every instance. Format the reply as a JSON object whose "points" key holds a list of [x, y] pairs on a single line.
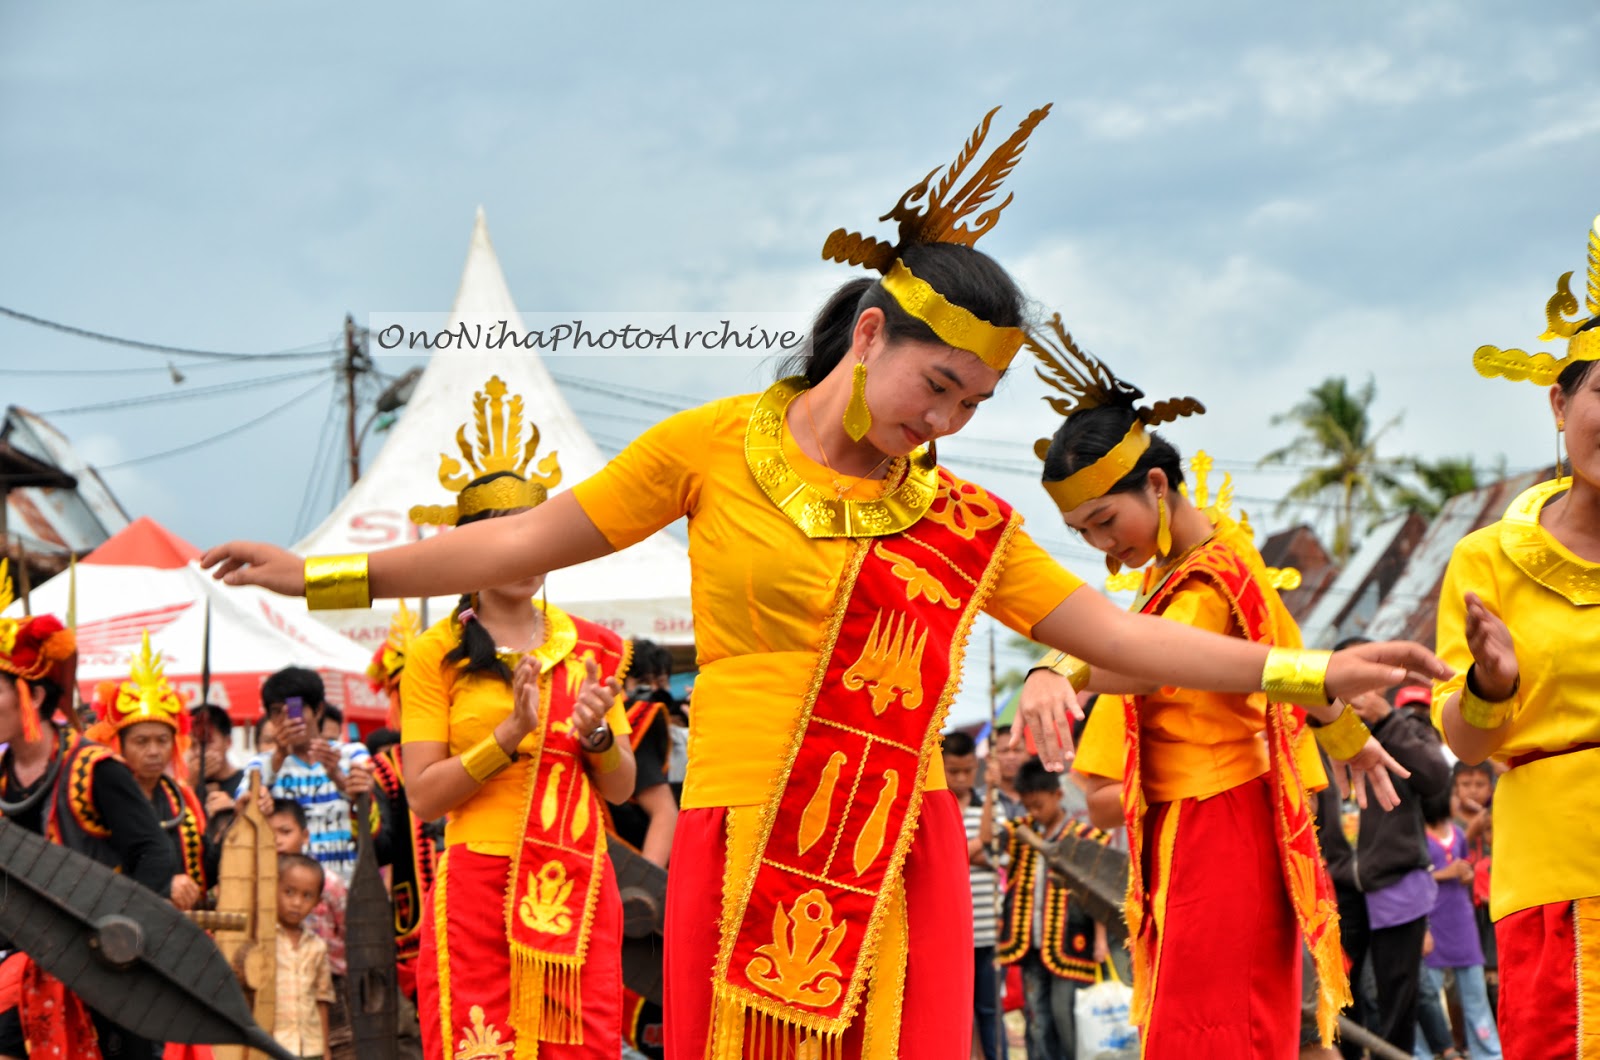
{"points": [[1312, 85], [1151, 114]]}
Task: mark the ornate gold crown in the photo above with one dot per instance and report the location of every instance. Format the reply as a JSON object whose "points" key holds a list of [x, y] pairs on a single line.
{"points": [[390, 658], [499, 449], [1089, 384], [938, 219], [1200, 465], [145, 695], [1543, 368]]}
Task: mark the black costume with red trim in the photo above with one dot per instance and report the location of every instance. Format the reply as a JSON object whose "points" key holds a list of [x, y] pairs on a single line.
{"points": [[1068, 947], [409, 851]]}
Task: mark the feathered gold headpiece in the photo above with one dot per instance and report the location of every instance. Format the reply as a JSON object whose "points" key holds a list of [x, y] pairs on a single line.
{"points": [[1089, 384], [500, 448], [929, 213], [1543, 368], [390, 658]]}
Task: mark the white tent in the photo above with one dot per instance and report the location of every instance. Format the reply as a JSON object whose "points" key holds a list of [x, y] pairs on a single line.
{"points": [[643, 592], [145, 579]]}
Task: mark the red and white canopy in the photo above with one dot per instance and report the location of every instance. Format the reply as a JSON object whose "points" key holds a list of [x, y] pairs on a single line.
{"points": [[145, 578]]}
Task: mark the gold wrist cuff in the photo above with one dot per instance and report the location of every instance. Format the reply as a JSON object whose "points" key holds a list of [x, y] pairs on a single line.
{"points": [[1345, 736], [1297, 675], [1481, 713], [1071, 667], [484, 759], [337, 582], [608, 760]]}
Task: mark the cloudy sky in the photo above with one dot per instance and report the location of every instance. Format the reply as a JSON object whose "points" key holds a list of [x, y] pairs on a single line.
{"points": [[1230, 200]]}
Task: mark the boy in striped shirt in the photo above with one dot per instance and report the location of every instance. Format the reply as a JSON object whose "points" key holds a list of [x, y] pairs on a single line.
{"points": [[961, 774]]}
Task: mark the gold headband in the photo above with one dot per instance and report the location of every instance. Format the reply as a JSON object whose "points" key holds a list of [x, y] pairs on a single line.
{"points": [[1544, 368], [955, 326], [500, 447], [1092, 482]]}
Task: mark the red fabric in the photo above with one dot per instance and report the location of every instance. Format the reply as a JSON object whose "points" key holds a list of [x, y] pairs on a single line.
{"points": [[54, 1022], [144, 543], [480, 962], [182, 1051], [938, 912], [1538, 983], [1013, 988], [1228, 985]]}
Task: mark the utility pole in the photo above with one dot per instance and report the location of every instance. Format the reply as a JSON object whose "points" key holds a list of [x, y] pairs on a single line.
{"points": [[355, 360]]}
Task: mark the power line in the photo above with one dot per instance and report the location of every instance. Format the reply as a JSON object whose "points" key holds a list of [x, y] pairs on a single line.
{"points": [[189, 394], [299, 353], [230, 432]]}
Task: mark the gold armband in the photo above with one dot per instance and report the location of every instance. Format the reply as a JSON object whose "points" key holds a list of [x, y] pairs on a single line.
{"points": [[337, 582], [1297, 675], [1071, 667], [1481, 713], [1343, 737], [485, 758], [608, 760]]}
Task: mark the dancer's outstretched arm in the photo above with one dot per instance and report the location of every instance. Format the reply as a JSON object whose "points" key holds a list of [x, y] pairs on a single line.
{"points": [[554, 535]]}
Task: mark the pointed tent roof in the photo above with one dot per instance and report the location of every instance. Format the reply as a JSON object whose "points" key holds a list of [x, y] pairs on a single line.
{"points": [[643, 591]]}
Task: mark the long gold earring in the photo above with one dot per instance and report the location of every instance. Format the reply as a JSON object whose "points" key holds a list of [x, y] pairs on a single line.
{"points": [[1561, 425], [1163, 528], [857, 417], [1113, 565]]}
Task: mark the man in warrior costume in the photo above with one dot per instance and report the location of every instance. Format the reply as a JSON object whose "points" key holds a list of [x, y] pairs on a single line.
{"points": [[819, 904]]}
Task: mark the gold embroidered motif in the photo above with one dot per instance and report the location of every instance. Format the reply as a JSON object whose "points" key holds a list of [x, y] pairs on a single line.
{"points": [[580, 812], [814, 821], [964, 508], [1531, 547], [919, 581], [869, 844], [551, 803], [891, 662], [797, 965], [482, 1041], [544, 908]]}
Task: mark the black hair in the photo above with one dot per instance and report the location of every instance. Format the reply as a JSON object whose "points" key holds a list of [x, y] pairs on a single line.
{"points": [[301, 861], [293, 681], [380, 739], [1436, 808], [959, 744], [293, 809], [332, 713], [966, 277], [1088, 435], [1573, 375], [476, 653], [650, 660], [1476, 767], [261, 728], [1033, 776], [215, 717], [46, 693]]}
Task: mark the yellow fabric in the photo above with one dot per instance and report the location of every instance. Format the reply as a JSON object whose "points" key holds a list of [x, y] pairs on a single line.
{"points": [[1198, 744], [1539, 807], [438, 705], [762, 591]]}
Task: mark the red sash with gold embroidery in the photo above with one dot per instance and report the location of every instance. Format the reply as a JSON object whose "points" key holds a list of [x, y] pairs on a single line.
{"points": [[798, 938], [557, 872], [1310, 890]]}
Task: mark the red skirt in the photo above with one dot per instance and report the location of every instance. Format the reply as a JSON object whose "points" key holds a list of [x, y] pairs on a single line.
{"points": [[936, 1012], [464, 985], [1228, 965], [1550, 981]]}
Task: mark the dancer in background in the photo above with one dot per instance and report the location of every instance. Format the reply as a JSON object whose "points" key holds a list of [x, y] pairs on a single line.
{"points": [[836, 571], [1518, 617]]}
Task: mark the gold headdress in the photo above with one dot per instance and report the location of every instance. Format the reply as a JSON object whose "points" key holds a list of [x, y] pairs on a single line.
{"points": [[1089, 384], [499, 448], [390, 658], [144, 696], [1543, 368], [938, 219]]}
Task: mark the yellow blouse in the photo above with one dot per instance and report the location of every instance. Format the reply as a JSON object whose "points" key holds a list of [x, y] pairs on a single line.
{"points": [[1544, 811], [761, 592], [439, 705], [1196, 744]]}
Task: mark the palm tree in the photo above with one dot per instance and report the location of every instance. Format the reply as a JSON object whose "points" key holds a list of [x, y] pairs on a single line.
{"points": [[1345, 472], [1438, 481]]}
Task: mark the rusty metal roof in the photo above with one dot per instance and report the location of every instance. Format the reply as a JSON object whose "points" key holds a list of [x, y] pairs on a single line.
{"points": [[64, 507], [1348, 606]]}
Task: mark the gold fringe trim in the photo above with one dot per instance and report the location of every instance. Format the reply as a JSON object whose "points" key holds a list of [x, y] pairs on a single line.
{"points": [[742, 1033], [546, 1001], [1147, 955], [441, 934]]}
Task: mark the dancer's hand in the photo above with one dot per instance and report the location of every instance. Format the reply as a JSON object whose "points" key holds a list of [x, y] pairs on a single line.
{"points": [[256, 563], [1371, 767], [1492, 650], [593, 701], [524, 717], [1047, 717], [1374, 667]]}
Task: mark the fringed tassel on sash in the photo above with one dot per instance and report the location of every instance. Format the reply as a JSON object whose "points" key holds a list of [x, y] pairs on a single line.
{"points": [[546, 1001], [742, 1033]]}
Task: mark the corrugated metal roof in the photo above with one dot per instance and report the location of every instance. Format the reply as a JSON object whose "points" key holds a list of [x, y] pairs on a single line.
{"points": [[1347, 607], [52, 521]]}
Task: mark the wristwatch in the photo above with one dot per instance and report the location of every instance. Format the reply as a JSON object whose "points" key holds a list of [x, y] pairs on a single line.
{"points": [[600, 740]]}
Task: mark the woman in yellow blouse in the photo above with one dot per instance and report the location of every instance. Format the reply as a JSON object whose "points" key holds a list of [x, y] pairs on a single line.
{"points": [[836, 572], [513, 727], [1518, 617], [1226, 874]]}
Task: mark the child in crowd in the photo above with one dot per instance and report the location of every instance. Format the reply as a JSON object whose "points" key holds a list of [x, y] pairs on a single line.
{"points": [[1454, 928], [326, 920], [1044, 929], [305, 984], [979, 812]]}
